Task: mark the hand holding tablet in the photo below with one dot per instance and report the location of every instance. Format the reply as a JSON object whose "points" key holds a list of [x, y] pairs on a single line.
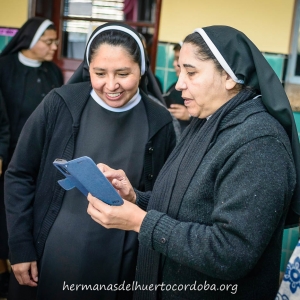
{"points": [[84, 174]]}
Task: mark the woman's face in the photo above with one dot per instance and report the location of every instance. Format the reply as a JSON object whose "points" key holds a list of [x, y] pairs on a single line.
{"points": [[45, 47], [204, 88], [114, 75]]}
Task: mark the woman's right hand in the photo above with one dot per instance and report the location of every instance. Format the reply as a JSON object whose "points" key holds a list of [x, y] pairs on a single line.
{"points": [[119, 181], [26, 273]]}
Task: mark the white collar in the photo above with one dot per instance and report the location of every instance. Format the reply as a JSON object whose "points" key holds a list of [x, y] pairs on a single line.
{"points": [[135, 100], [28, 61]]}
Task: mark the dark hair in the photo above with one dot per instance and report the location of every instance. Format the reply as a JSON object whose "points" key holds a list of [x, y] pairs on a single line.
{"points": [[176, 47], [116, 38], [203, 52], [51, 27]]}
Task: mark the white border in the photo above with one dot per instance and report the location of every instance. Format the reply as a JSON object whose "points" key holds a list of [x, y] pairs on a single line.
{"points": [[28, 61], [40, 32], [135, 100], [218, 55], [116, 27]]}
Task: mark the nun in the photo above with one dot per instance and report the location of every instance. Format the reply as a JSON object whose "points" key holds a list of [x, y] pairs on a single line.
{"points": [[212, 226], [27, 74], [104, 113]]}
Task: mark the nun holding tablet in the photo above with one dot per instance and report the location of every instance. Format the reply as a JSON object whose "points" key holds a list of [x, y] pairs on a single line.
{"points": [[103, 113], [212, 226]]}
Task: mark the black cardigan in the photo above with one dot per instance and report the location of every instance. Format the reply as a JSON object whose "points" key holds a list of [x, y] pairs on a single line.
{"points": [[227, 235], [32, 196]]}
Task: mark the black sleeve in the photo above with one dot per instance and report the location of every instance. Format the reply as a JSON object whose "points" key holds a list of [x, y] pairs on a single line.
{"points": [[142, 199], [20, 184]]}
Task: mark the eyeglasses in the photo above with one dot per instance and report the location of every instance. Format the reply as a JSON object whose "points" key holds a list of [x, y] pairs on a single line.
{"points": [[50, 42]]}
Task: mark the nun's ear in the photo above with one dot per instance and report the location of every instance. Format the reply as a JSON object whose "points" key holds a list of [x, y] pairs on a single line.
{"points": [[229, 83]]}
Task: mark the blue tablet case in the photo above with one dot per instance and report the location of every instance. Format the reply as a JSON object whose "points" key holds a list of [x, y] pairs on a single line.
{"points": [[84, 174]]}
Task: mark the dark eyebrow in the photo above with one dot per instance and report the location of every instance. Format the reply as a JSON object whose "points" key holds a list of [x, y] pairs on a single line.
{"points": [[123, 69], [118, 70], [188, 66]]}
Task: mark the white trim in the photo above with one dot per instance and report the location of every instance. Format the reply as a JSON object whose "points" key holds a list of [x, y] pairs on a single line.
{"points": [[28, 61], [120, 28], [218, 55], [135, 100], [40, 32]]}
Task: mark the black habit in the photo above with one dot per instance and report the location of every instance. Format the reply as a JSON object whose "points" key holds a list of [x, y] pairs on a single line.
{"points": [[23, 87]]}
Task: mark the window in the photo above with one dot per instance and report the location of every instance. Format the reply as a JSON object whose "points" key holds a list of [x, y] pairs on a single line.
{"points": [[75, 20], [76, 30]]}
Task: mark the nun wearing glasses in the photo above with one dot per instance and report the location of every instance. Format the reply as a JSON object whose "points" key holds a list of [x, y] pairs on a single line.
{"points": [[57, 250], [27, 74], [212, 226]]}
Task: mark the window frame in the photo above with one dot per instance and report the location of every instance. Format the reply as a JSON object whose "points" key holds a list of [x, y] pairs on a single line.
{"points": [[69, 65], [292, 60]]}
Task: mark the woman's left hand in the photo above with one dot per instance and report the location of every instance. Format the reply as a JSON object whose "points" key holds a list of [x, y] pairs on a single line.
{"points": [[127, 216]]}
